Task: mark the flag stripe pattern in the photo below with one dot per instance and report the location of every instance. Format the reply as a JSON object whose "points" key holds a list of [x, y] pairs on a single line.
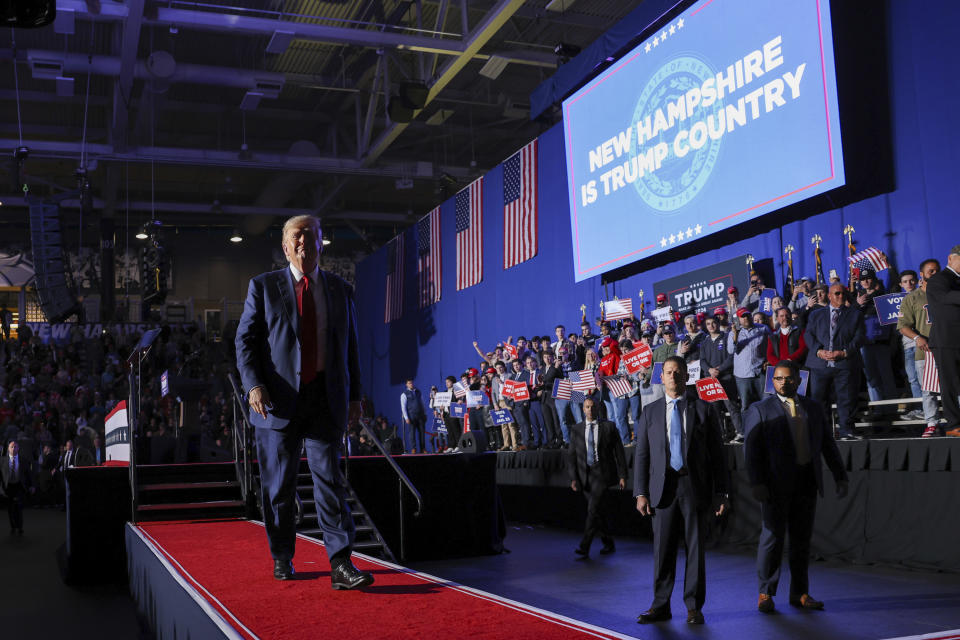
{"points": [[931, 377], [520, 206], [582, 381], [393, 308], [459, 390], [618, 386], [869, 258], [428, 258], [469, 219], [620, 309], [563, 390]]}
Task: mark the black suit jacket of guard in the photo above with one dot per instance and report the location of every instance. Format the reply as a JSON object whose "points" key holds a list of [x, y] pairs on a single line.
{"points": [[613, 460], [703, 453], [943, 298]]}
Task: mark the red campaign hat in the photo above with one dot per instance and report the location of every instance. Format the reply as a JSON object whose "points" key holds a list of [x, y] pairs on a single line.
{"points": [[732, 290], [701, 316], [472, 372], [743, 311], [661, 297], [491, 370], [678, 316], [720, 311], [608, 342]]}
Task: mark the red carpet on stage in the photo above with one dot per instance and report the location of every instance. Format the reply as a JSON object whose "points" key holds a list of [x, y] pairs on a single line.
{"points": [[227, 563]]}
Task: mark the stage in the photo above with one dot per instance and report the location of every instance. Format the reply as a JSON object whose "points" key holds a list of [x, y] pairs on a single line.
{"points": [[214, 579]]}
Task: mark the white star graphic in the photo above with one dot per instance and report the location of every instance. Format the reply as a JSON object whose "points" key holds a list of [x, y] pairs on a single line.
{"points": [[680, 23], [689, 232], [656, 40], [672, 238], [663, 35], [672, 29], [698, 229], [680, 235], [663, 241], [647, 48]]}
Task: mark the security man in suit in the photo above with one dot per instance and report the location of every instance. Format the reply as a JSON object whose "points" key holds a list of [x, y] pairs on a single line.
{"points": [[834, 335], [15, 476], [787, 435], [595, 460], [943, 298], [299, 362], [680, 477]]}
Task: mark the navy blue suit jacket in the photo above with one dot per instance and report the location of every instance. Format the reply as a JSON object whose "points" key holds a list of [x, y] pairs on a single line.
{"points": [[703, 453], [769, 450], [268, 346], [849, 336]]}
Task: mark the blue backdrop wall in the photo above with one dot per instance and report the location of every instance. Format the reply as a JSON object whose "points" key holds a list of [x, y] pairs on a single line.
{"points": [[917, 219]]}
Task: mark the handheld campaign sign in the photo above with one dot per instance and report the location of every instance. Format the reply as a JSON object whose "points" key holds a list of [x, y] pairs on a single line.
{"points": [[639, 358], [693, 372], [442, 399], [439, 425], [511, 350], [804, 380], [710, 390], [521, 391], [663, 314], [765, 305], [476, 399], [503, 416], [458, 410], [888, 307]]}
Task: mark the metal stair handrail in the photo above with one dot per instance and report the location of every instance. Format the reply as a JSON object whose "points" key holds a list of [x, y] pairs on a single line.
{"points": [[365, 423], [241, 440]]}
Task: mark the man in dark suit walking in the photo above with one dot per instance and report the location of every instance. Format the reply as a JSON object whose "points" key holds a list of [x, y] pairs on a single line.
{"points": [[943, 298], [15, 476], [834, 335], [299, 362], [595, 460], [680, 477], [787, 435], [551, 419]]}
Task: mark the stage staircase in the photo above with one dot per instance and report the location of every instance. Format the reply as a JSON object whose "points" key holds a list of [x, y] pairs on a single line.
{"points": [[202, 491]]}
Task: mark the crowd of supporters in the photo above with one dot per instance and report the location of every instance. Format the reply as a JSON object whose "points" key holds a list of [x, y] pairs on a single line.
{"points": [[55, 397], [734, 343]]}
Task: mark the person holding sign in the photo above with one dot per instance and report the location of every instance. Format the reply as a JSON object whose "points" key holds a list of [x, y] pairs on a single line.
{"points": [[680, 478], [787, 434], [875, 351], [717, 361], [595, 460], [943, 297]]}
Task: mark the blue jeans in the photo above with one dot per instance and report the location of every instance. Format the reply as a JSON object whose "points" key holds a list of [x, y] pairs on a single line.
{"points": [[620, 408], [751, 390], [910, 365], [564, 421]]}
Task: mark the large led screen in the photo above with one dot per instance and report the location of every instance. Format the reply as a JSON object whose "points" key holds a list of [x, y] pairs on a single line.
{"points": [[726, 113]]}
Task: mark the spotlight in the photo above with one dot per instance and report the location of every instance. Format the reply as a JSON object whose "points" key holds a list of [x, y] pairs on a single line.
{"points": [[142, 234], [326, 241], [235, 236]]}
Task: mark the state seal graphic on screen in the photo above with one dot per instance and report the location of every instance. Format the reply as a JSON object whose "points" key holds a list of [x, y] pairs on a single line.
{"points": [[679, 179]]}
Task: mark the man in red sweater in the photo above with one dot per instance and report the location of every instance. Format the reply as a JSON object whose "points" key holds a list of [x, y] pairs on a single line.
{"points": [[787, 342]]}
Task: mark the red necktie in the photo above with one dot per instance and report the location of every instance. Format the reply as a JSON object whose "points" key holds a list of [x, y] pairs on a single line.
{"points": [[308, 331]]}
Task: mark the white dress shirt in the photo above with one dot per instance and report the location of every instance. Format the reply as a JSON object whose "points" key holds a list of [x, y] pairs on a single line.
{"points": [[320, 304]]}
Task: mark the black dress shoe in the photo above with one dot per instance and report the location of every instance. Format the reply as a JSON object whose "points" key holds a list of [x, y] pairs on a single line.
{"points": [[608, 548], [694, 616], [582, 551], [346, 576], [654, 615], [283, 570]]}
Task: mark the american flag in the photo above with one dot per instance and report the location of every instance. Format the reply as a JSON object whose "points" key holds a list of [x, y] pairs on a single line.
{"points": [[931, 377], [869, 258], [582, 380], [393, 308], [459, 390], [428, 257], [520, 206], [618, 309], [469, 214], [617, 385], [563, 390]]}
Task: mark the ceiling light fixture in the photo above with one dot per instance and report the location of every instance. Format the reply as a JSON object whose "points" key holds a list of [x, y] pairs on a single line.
{"points": [[326, 241], [235, 236], [142, 234]]}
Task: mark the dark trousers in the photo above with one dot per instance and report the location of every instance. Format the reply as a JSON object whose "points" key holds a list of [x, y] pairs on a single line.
{"points": [[551, 421], [846, 383], [596, 494], [454, 429], [416, 433], [948, 366], [15, 505], [683, 519], [782, 515], [521, 413], [278, 452], [537, 427]]}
